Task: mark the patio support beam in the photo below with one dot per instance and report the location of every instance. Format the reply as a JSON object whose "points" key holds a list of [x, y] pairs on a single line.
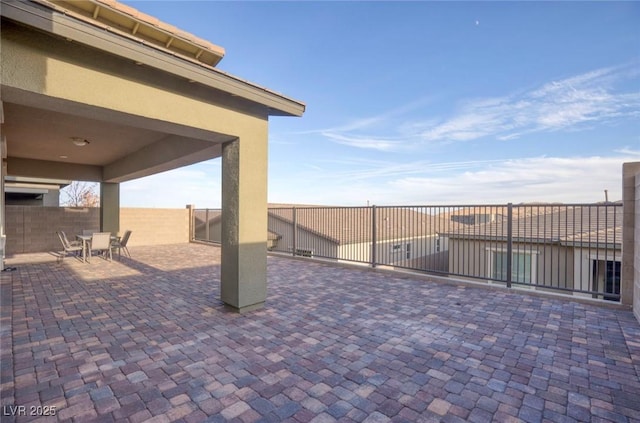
{"points": [[17, 166], [243, 285], [110, 207]]}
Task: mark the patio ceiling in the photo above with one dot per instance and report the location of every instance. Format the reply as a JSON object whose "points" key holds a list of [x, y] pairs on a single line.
{"points": [[40, 143]]}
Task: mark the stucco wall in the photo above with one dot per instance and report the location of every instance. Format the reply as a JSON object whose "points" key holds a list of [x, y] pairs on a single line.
{"points": [[33, 229], [630, 283], [554, 265]]}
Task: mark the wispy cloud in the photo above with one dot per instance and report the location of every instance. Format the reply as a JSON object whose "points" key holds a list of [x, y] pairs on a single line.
{"points": [[545, 179], [568, 104], [368, 132], [529, 179], [380, 144], [360, 169]]}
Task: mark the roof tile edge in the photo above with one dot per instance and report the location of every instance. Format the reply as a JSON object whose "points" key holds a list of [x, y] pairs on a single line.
{"points": [[53, 5], [141, 18]]}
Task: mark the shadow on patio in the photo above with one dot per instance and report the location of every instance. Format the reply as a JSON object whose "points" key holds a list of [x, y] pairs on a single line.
{"points": [[148, 338]]}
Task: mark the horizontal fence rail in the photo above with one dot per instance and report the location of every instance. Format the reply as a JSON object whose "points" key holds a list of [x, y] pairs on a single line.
{"points": [[572, 248]]}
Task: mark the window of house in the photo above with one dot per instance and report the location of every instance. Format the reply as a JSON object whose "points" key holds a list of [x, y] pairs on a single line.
{"points": [[522, 266], [608, 272], [612, 281]]}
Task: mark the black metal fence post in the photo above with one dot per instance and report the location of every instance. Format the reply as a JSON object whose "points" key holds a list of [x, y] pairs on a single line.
{"points": [[374, 257], [295, 232], [206, 226], [509, 243]]}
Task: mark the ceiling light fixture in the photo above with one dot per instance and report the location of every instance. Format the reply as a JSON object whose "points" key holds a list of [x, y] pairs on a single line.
{"points": [[80, 142]]}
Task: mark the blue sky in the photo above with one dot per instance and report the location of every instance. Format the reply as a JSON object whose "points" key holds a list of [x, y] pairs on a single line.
{"points": [[425, 102]]}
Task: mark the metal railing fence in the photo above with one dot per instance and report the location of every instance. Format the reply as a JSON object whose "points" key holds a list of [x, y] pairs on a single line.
{"points": [[562, 247]]}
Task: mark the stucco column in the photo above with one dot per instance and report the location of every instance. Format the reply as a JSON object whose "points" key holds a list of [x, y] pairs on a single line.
{"points": [[243, 285], [110, 207], [630, 276]]}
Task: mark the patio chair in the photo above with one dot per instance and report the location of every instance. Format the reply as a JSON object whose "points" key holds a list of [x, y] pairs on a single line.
{"points": [[121, 244], [73, 243], [101, 242], [67, 247]]}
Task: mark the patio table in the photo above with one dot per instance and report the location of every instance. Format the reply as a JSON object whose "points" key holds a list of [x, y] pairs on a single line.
{"points": [[85, 241]]}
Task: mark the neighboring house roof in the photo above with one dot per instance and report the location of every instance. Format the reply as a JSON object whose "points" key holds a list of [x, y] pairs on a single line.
{"points": [[215, 216], [567, 225], [352, 225], [573, 225], [499, 211]]}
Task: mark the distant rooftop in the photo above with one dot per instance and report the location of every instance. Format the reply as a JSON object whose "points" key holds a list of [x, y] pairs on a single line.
{"points": [[567, 224]]}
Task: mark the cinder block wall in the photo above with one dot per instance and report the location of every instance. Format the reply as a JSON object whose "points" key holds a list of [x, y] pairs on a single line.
{"points": [[32, 229], [155, 226]]}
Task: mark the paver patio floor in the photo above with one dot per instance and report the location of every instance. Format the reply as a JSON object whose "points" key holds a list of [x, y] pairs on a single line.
{"points": [[148, 339]]}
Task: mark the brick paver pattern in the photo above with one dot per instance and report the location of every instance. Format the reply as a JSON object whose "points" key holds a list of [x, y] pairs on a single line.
{"points": [[147, 339]]}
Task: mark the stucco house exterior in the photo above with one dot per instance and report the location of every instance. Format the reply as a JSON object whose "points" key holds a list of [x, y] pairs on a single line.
{"points": [[403, 237], [565, 247], [33, 191]]}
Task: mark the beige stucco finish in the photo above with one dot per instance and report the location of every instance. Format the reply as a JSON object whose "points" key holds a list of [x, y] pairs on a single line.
{"points": [[63, 76], [110, 207], [143, 111], [630, 276], [244, 222]]}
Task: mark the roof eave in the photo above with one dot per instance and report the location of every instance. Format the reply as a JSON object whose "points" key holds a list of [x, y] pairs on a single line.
{"points": [[129, 22], [59, 24]]}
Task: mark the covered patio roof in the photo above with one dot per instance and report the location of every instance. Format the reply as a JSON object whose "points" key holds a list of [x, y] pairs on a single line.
{"points": [[97, 91], [79, 78]]}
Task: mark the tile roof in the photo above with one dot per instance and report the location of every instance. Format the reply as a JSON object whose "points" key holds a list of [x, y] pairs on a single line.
{"points": [[130, 22], [351, 225], [215, 216], [573, 225]]}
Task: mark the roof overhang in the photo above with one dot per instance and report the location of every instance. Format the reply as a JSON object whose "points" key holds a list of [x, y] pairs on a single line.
{"points": [[38, 14], [143, 108], [128, 22]]}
